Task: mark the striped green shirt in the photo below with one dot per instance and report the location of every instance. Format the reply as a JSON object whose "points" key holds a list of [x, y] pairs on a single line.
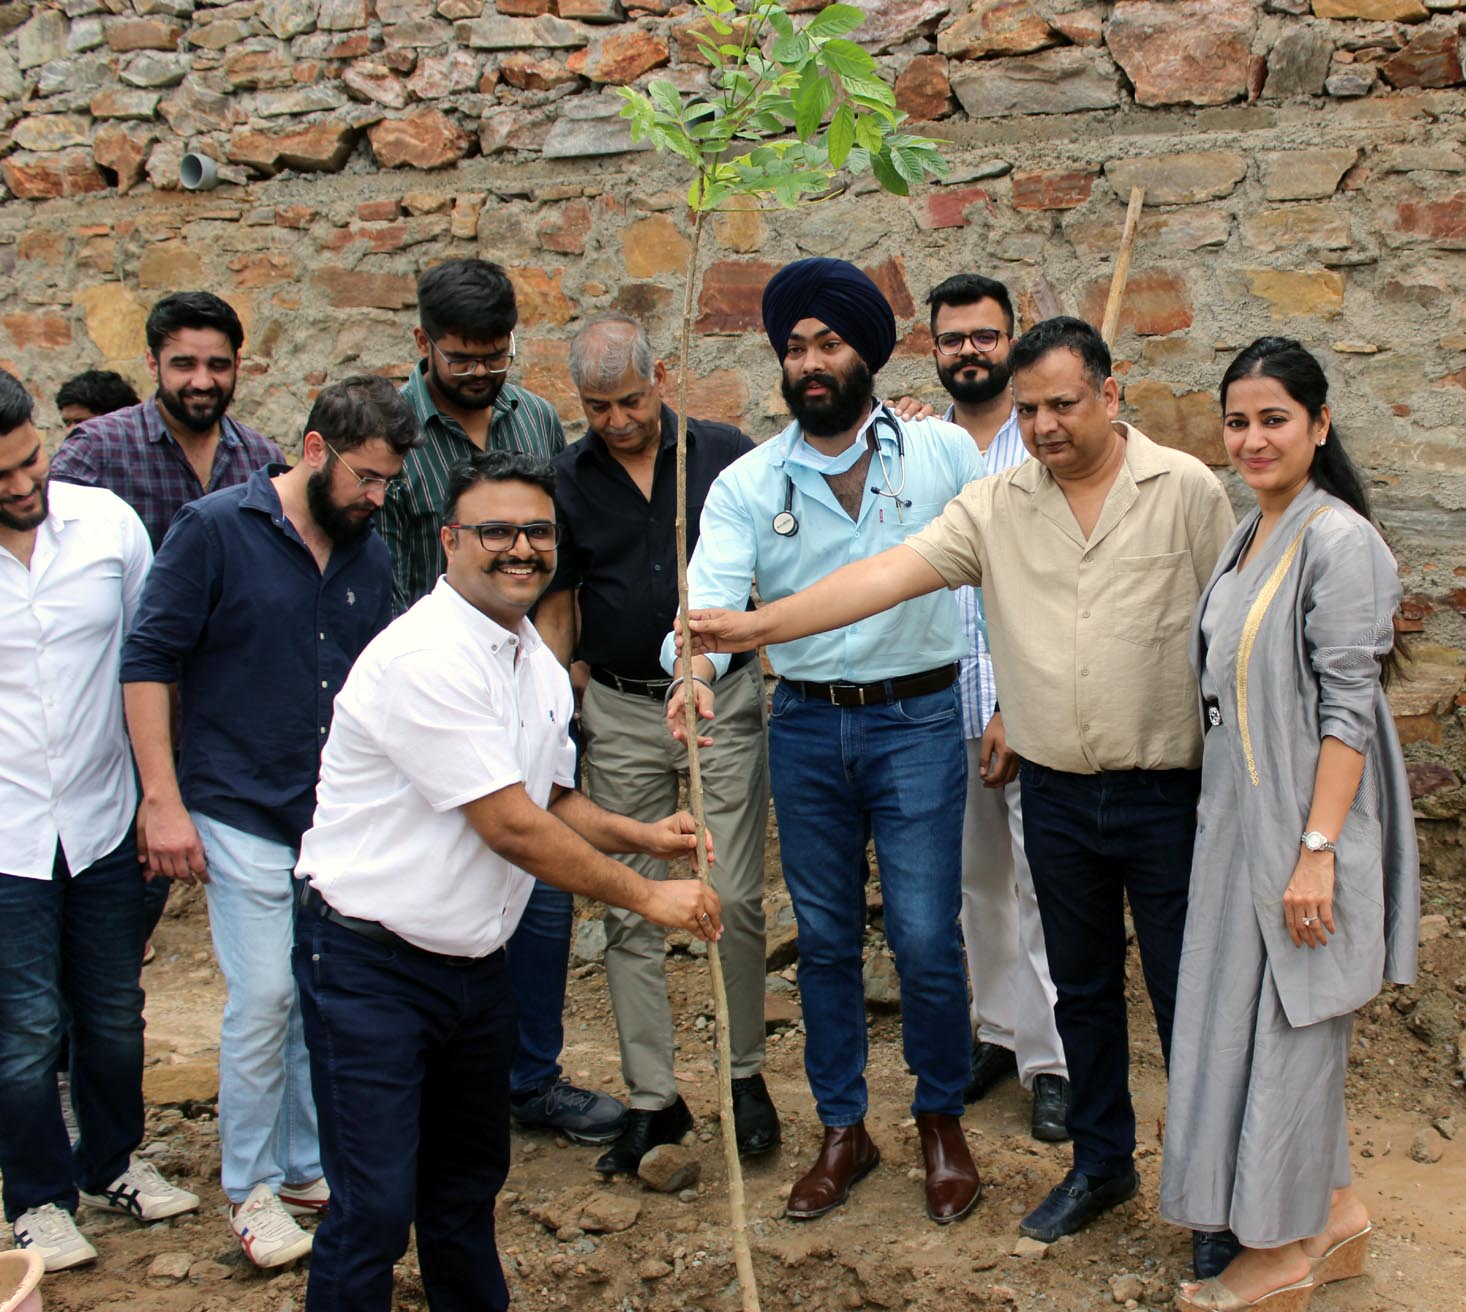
{"points": [[409, 520]]}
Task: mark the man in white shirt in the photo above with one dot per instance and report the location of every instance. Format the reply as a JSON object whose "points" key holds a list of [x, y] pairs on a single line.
{"points": [[1013, 1025], [72, 564], [446, 785]]}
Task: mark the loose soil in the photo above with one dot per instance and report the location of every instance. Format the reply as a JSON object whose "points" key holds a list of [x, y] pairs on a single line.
{"points": [[879, 1251]]}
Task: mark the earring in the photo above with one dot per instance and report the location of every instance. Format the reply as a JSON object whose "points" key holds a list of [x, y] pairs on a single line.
{"points": [[1321, 441]]}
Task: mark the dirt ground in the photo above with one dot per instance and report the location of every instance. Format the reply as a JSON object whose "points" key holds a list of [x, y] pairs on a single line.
{"points": [[879, 1251]]}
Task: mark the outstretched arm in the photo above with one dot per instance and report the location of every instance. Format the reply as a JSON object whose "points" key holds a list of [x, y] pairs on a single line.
{"points": [[853, 592]]}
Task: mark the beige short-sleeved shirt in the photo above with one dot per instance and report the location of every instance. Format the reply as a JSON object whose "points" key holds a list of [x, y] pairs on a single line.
{"points": [[1089, 638]]}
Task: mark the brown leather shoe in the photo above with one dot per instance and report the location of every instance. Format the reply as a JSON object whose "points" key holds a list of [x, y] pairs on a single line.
{"points": [[952, 1183], [848, 1155]]}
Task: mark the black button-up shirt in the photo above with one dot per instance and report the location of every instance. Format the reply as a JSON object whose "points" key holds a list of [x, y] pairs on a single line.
{"points": [[259, 641], [620, 549]]}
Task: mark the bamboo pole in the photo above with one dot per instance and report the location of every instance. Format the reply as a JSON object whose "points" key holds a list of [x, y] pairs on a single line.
{"points": [[742, 1255], [1122, 266]]}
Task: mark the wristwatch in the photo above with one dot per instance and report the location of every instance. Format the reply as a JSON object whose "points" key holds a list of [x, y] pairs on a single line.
{"points": [[1317, 842]]}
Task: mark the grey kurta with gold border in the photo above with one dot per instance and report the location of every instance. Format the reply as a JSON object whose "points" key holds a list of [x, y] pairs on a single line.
{"points": [[1255, 1121]]}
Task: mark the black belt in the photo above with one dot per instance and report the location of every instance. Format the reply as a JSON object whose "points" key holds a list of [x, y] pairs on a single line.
{"points": [[311, 900], [877, 694], [635, 687], [656, 688]]}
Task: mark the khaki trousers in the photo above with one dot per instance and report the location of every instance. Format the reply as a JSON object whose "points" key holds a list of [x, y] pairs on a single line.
{"points": [[631, 766]]}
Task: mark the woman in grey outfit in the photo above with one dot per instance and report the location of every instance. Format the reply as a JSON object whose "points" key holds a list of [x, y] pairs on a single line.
{"points": [[1305, 880]]}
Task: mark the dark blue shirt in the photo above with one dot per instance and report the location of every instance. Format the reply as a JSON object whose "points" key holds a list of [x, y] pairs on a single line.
{"points": [[259, 641], [619, 548]]}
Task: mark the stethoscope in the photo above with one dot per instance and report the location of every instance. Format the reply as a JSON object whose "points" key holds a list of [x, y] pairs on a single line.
{"points": [[786, 525]]}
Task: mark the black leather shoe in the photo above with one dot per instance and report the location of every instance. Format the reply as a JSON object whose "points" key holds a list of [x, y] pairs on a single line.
{"points": [[1212, 1251], [1050, 1108], [990, 1064], [755, 1122], [644, 1131], [1074, 1203]]}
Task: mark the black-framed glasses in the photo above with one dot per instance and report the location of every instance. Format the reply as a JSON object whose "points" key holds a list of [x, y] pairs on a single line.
{"points": [[541, 534], [365, 480], [983, 340], [464, 366]]}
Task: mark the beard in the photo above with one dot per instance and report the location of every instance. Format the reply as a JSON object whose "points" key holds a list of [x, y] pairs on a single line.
{"points": [[334, 520], [19, 523], [835, 413], [195, 410], [974, 391], [481, 393]]}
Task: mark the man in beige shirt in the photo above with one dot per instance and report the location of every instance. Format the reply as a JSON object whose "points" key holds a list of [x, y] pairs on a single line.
{"points": [[1091, 557]]}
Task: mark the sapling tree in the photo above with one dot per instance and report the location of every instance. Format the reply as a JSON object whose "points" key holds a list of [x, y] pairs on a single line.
{"points": [[791, 114]]}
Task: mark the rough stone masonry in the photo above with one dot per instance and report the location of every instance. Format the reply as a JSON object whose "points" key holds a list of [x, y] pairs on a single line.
{"points": [[1304, 166]]}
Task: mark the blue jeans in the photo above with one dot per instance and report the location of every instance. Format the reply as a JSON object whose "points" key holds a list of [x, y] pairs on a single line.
{"points": [[267, 1118], [1092, 840], [898, 773], [539, 956], [70, 955], [410, 1058]]}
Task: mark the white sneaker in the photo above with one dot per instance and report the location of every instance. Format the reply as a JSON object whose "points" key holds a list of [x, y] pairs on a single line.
{"points": [[266, 1231], [142, 1193], [306, 1199], [52, 1232]]}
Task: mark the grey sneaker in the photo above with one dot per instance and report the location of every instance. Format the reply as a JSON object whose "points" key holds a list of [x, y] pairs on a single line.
{"points": [[581, 1115], [51, 1231]]}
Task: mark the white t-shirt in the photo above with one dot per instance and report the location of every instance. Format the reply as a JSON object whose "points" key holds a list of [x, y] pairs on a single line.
{"points": [[65, 768], [443, 707]]}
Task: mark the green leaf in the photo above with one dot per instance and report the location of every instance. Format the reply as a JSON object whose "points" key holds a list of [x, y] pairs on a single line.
{"points": [[811, 99], [780, 21], [841, 136], [718, 6], [792, 49], [868, 131], [886, 174], [835, 20], [666, 97], [846, 58]]}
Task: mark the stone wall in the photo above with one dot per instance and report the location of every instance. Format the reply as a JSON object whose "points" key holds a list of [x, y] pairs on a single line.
{"points": [[1305, 170]]}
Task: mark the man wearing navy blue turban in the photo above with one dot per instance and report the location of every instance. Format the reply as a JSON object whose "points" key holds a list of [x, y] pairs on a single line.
{"points": [[865, 739]]}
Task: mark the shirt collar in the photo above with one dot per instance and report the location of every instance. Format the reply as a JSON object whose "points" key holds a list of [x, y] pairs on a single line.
{"points": [[595, 445], [490, 633], [1142, 461], [260, 493], [883, 433]]}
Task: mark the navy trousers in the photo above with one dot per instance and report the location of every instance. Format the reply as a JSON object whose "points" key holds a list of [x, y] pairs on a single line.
{"points": [[410, 1059], [1093, 840]]}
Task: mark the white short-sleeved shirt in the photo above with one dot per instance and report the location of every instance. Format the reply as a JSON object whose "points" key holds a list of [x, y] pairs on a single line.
{"points": [[443, 707], [65, 769]]}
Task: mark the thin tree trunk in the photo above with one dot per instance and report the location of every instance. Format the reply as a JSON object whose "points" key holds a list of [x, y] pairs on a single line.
{"points": [[1111, 321], [742, 1256]]}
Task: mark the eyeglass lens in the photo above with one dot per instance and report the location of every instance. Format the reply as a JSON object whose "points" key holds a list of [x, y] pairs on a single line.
{"points": [[499, 537], [984, 339]]}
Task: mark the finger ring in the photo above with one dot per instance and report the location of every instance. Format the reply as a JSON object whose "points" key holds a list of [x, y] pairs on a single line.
{"points": [[1308, 920], [704, 916]]}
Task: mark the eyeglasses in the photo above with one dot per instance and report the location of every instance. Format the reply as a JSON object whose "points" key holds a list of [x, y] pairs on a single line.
{"points": [[983, 340], [542, 534], [463, 366], [365, 480]]}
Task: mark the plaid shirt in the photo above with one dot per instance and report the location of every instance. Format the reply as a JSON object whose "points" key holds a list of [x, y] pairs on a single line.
{"points": [[977, 690], [131, 452], [409, 521]]}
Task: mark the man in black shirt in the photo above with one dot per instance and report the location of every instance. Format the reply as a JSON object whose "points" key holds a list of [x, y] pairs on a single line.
{"points": [[616, 501]]}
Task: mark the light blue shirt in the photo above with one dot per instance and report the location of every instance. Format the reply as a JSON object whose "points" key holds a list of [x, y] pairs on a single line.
{"points": [[737, 548], [977, 690]]}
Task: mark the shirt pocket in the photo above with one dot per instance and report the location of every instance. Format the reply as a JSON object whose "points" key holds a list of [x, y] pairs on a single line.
{"points": [[1153, 598]]}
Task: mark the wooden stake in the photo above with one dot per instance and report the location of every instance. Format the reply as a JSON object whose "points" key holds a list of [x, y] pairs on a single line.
{"points": [[1122, 266], [742, 1255]]}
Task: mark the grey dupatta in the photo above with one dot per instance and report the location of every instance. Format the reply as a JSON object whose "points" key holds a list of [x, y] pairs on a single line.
{"points": [[1300, 647]]}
